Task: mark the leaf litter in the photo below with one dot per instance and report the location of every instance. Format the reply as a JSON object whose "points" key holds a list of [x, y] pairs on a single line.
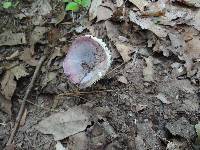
{"points": [[155, 68]]}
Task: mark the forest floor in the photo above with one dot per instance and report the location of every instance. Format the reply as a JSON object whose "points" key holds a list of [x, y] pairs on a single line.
{"points": [[148, 100]]}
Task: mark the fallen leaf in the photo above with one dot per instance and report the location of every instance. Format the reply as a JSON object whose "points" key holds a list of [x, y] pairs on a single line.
{"points": [[40, 7], [122, 79], [163, 98], [48, 78], [8, 85], [155, 9], [5, 105], [104, 13], [78, 141], [56, 53], [147, 23], [192, 3], [59, 146], [10, 39], [19, 71], [148, 71], [37, 34], [27, 57], [124, 49], [140, 4], [195, 21], [23, 119], [93, 9], [65, 124], [119, 3]]}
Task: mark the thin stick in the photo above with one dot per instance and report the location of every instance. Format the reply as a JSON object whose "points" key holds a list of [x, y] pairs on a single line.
{"points": [[22, 107], [76, 93]]}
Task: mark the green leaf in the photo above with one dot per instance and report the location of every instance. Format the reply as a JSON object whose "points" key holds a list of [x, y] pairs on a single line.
{"points": [[86, 3], [65, 1], [7, 5], [72, 6], [78, 1]]}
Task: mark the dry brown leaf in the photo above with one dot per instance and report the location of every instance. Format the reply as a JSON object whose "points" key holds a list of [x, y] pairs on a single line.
{"points": [[78, 141], [5, 105], [104, 13], [37, 34], [65, 124], [8, 85], [155, 9], [9, 38], [147, 23], [27, 57], [48, 78], [93, 9], [140, 4], [124, 49], [192, 3], [19, 71], [195, 20], [122, 79], [59, 146], [56, 53], [23, 119], [148, 71]]}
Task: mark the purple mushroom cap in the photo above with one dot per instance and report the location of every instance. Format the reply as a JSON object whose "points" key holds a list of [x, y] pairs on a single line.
{"points": [[87, 60]]}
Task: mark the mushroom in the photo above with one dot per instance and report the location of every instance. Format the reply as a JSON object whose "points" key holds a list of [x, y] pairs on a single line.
{"points": [[88, 59]]}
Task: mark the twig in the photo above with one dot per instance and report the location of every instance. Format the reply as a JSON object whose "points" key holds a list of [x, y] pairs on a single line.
{"points": [[22, 107], [76, 93]]}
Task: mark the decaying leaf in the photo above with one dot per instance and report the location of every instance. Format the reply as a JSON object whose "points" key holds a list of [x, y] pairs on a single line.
{"points": [[37, 34], [93, 9], [65, 124], [148, 71], [193, 3], [78, 141], [5, 105], [49, 77], [19, 71], [155, 9], [40, 7], [140, 4], [124, 49], [59, 146], [122, 79], [56, 53], [147, 23], [10, 39], [103, 13], [8, 85], [28, 58]]}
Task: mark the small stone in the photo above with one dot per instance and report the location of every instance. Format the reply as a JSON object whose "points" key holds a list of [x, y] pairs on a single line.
{"points": [[182, 128]]}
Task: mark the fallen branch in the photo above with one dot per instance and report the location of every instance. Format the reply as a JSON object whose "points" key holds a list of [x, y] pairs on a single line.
{"points": [[22, 107]]}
